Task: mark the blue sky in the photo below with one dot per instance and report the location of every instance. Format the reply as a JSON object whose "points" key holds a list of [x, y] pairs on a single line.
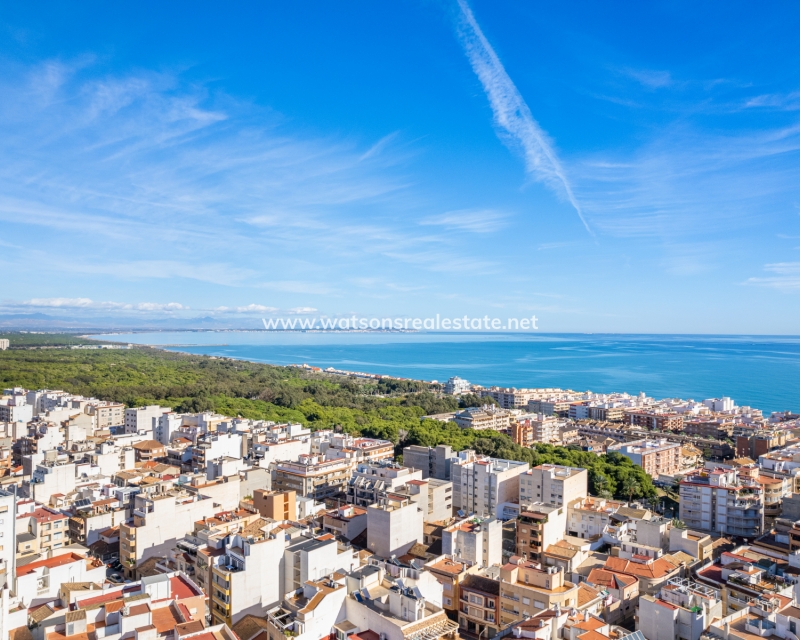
{"points": [[607, 167]]}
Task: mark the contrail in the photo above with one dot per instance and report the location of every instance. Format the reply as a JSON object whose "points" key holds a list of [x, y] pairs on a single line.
{"points": [[511, 113]]}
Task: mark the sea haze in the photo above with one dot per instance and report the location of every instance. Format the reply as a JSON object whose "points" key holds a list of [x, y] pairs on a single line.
{"points": [[759, 371]]}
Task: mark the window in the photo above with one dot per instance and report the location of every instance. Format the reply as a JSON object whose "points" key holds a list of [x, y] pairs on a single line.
{"points": [[526, 601]]}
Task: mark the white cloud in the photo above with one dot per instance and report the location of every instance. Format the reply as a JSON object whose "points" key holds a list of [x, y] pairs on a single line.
{"points": [[256, 308], [781, 101], [511, 112], [302, 310], [649, 78], [71, 303], [481, 221], [787, 276], [88, 303]]}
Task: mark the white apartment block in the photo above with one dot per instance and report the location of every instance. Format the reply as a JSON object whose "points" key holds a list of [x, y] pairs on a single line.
{"points": [[553, 484], [247, 577], [481, 483], [168, 423], [7, 525], [456, 386], [158, 521], [144, 418], [724, 502], [475, 540], [393, 527], [314, 558]]}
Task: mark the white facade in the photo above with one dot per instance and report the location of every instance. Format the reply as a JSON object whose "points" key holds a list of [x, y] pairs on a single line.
{"points": [[481, 483], [455, 386], [475, 541], [393, 528], [143, 419]]}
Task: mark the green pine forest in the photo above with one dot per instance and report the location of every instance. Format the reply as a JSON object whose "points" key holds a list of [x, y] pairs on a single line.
{"points": [[389, 409]]}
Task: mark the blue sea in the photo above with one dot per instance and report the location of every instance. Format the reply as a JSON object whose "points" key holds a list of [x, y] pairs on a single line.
{"points": [[758, 371]]}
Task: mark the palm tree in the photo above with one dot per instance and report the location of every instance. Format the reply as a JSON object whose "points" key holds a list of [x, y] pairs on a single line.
{"points": [[630, 486]]}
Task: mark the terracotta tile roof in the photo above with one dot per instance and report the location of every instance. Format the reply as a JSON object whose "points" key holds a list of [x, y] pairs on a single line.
{"points": [[610, 579], [586, 594], [249, 626], [49, 563], [652, 570], [165, 619]]}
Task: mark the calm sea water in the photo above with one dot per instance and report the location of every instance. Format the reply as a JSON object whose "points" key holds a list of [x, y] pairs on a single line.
{"points": [[762, 372]]}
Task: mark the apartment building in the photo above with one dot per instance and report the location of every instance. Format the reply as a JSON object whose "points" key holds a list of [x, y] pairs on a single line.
{"points": [[277, 505], [450, 573], [606, 412], [348, 521], [720, 501], [716, 429], [7, 531], [589, 517], [158, 521], [211, 446], [13, 410], [393, 527], [553, 484], [483, 418], [143, 419], [344, 446], [550, 407], [509, 398], [476, 541], [538, 527], [49, 477], [653, 420], [479, 606], [682, 609], [754, 445], [656, 457], [46, 529], [107, 414], [313, 558], [481, 484], [308, 614], [526, 431], [527, 588], [371, 483], [434, 462], [456, 386], [237, 576], [312, 476]]}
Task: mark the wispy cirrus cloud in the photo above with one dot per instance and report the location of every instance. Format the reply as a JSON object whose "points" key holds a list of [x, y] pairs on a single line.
{"points": [[649, 78], [687, 181], [785, 276], [512, 115], [173, 181], [779, 101], [476, 221]]}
